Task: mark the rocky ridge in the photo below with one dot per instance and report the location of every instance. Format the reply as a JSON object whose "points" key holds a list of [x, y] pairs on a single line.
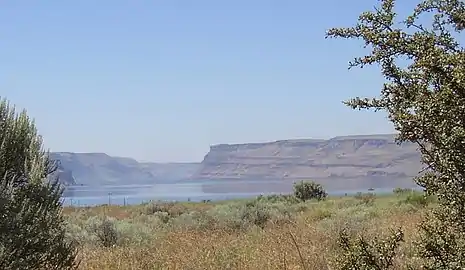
{"points": [[93, 169], [367, 160], [341, 162]]}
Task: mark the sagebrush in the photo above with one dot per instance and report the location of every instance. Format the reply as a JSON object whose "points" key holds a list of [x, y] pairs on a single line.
{"points": [[32, 228]]}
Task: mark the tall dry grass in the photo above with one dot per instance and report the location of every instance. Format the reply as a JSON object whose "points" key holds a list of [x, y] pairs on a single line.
{"points": [[265, 233]]}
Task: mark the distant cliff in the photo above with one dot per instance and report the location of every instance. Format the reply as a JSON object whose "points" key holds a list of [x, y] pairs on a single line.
{"points": [[102, 169], [349, 161], [341, 162]]}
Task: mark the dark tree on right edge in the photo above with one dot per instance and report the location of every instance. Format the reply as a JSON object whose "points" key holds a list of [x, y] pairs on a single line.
{"points": [[424, 96]]}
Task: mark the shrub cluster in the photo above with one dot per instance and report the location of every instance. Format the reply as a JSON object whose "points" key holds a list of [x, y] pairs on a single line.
{"points": [[307, 190]]}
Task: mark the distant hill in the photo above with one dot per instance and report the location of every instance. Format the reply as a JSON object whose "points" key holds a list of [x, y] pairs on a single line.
{"points": [[102, 169], [347, 162], [341, 162]]}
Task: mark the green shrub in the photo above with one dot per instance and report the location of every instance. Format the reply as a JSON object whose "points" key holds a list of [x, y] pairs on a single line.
{"points": [[366, 198], [242, 215], [170, 208], [274, 198], [418, 199], [307, 190], [105, 230], [32, 229], [362, 254], [401, 191], [256, 213]]}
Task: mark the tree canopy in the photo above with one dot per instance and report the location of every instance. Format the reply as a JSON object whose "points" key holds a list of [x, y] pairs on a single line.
{"points": [[423, 63]]}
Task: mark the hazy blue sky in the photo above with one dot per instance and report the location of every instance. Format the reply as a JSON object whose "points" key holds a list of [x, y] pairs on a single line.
{"points": [[164, 80]]}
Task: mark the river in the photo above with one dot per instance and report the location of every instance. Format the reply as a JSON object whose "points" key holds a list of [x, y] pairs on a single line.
{"points": [[192, 191]]}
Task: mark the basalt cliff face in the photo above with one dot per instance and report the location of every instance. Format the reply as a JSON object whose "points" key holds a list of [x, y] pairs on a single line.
{"points": [[344, 162]]}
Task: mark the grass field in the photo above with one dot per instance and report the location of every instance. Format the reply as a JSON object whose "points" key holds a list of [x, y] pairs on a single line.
{"points": [[274, 232]]}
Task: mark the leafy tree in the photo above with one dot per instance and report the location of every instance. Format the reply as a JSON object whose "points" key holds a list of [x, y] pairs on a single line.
{"points": [[32, 228], [306, 190], [424, 96]]}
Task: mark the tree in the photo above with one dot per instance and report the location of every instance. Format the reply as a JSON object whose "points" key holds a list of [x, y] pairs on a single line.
{"points": [[424, 97], [32, 228], [306, 190]]}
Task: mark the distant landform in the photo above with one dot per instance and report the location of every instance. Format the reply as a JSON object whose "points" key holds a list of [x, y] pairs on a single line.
{"points": [[342, 162], [92, 169], [346, 162]]}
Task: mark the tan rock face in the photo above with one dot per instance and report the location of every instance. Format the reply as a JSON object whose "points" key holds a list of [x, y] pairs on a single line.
{"points": [[372, 158]]}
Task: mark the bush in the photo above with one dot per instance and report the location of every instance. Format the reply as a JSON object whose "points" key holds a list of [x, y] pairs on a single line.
{"points": [[170, 208], [366, 255], [366, 198], [418, 199], [401, 191], [32, 228], [105, 230], [256, 213], [306, 190], [287, 198]]}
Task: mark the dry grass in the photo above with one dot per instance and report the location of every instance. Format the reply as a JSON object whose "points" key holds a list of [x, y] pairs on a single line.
{"points": [[267, 234]]}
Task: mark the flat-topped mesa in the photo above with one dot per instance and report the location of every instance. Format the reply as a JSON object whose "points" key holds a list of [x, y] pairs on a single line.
{"points": [[341, 157], [295, 143], [356, 139]]}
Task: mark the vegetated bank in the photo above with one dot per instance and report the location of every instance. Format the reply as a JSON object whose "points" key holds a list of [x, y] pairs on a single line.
{"points": [[267, 232]]}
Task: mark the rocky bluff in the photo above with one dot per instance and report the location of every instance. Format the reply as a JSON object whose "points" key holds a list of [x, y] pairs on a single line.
{"points": [[95, 169], [345, 162]]}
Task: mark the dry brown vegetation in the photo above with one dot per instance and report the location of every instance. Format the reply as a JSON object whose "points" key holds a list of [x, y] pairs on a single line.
{"points": [[275, 232]]}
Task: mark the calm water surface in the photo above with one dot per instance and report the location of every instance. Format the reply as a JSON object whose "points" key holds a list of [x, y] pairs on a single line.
{"points": [[136, 194], [195, 191]]}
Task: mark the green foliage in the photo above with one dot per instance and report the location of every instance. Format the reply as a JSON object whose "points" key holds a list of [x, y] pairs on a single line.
{"points": [[106, 232], [32, 228], [401, 191], [442, 244], [424, 97], [366, 198], [362, 254], [418, 199], [170, 208], [256, 213], [291, 199], [307, 190], [413, 197], [234, 216]]}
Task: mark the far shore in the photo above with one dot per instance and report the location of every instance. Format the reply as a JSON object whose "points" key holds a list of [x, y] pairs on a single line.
{"points": [[286, 186]]}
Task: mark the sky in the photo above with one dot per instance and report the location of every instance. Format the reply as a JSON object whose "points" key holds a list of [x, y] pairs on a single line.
{"points": [[163, 80]]}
